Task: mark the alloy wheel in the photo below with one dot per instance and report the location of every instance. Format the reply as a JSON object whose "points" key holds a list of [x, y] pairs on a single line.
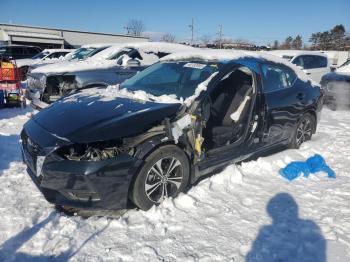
{"points": [[304, 131], [163, 179]]}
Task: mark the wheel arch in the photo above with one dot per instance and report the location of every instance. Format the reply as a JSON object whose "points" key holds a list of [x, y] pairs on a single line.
{"points": [[314, 115], [144, 149]]}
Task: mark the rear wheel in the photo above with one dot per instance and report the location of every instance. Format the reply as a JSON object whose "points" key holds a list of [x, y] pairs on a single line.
{"points": [[165, 174], [303, 130]]}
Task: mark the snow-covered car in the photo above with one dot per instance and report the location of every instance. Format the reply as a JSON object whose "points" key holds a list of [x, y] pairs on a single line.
{"points": [[18, 51], [47, 56], [111, 66], [314, 63], [337, 87], [164, 128]]}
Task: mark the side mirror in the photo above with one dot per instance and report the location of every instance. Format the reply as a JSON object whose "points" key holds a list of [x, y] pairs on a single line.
{"points": [[333, 68]]}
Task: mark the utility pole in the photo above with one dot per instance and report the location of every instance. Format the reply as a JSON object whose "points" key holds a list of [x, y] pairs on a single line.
{"points": [[220, 36], [191, 26]]}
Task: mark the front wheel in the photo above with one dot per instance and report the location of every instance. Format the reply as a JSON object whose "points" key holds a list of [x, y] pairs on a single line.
{"points": [[303, 131], [165, 174]]}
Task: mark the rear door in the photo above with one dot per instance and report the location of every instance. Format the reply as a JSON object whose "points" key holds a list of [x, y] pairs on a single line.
{"points": [[314, 65], [283, 99]]}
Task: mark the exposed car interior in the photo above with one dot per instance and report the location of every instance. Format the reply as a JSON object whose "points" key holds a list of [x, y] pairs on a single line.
{"points": [[229, 111]]}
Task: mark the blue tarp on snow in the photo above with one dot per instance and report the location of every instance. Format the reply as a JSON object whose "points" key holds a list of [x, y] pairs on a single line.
{"points": [[313, 164]]}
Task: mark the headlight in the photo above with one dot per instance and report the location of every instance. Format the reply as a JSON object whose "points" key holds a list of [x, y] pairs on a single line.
{"points": [[94, 151]]}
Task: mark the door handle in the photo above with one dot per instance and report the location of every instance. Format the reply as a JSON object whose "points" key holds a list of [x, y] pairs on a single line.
{"points": [[308, 73], [300, 96]]}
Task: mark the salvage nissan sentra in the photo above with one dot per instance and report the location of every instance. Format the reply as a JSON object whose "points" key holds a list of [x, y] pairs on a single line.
{"points": [[161, 130]]}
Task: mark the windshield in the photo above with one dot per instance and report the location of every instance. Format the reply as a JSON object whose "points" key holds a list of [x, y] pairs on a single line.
{"points": [[82, 53], [40, 55], [168, 78]]}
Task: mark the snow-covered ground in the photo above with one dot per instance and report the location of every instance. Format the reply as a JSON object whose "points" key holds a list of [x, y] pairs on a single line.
{"points": [[223, 218]]}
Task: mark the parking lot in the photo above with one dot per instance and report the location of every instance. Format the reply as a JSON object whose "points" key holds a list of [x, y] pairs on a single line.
{"points": [[217, 220]]}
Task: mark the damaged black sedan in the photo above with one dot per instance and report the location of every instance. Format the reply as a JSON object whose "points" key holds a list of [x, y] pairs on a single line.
{"points": [[161, 130]]}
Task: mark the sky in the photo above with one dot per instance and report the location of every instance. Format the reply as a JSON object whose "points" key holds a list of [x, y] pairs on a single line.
{"points": [[261, 22]]}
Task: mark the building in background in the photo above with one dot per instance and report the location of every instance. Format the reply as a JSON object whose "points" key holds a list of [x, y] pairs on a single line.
{"points": [[58, 38]]}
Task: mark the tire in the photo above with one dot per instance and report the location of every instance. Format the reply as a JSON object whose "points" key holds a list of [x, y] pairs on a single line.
{"points": [[154, 182], [303, 131]]}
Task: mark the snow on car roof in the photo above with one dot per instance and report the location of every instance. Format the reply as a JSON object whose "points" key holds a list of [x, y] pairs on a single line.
{"points": [[58, 50], [225, 55], [147, 47], [160, 47], [100, 61], [293, 53]]}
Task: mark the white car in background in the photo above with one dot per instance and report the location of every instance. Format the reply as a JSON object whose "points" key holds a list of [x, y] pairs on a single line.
{"points": [[314, 63], [109, 67], [47, 56]]}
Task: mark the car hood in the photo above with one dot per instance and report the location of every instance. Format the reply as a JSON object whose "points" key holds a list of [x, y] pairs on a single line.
{"points": [[81, 118]]}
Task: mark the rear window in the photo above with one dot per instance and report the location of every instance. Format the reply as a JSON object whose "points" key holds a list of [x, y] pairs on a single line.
{"points": [[277, 77]]}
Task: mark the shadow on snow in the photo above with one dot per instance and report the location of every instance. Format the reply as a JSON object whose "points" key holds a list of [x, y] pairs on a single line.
{"points": [[288, 238]]}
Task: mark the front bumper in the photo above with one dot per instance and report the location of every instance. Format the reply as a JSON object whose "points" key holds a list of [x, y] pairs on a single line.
{"points": [[85, 184], [79, 184]]}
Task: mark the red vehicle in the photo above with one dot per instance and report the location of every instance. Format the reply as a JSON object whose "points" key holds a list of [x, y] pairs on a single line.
{"points": [[10, 84]]}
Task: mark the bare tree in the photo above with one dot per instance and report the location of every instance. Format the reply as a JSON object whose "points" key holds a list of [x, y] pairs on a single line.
{"points": [[135, 27], [170, 38]]}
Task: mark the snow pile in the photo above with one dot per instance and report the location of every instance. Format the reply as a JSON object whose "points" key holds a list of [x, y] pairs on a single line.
{"points": [[245, 210], [140, 95], [111, 92]]}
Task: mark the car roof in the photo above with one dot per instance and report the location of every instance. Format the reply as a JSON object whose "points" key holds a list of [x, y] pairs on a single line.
{"points": [[293, 53], [147, 47], [221, 55]]}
